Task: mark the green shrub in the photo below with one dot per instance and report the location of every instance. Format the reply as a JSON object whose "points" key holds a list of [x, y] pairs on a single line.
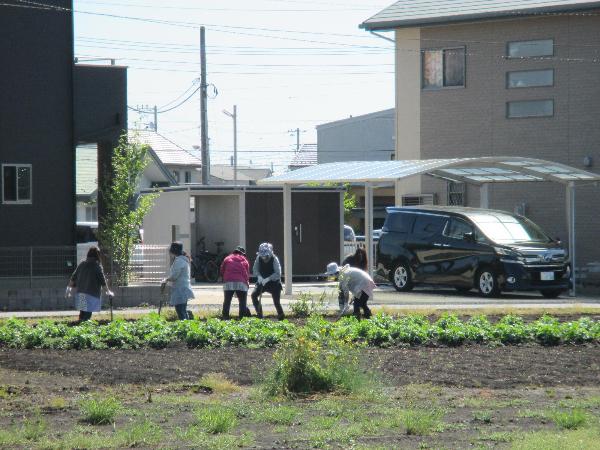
{"points": [[98, 411], [303, 365], [569, 419], [215, 419]]}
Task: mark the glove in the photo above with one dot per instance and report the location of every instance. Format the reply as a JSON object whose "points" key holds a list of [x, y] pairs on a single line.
{"points": [[260, 280], [110, 293]]}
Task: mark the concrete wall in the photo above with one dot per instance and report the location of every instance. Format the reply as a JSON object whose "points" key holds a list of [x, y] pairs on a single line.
{"points": [[218, 220], [36, 122], [472, 121], [363, 138], [170, 209], [53, 299]]}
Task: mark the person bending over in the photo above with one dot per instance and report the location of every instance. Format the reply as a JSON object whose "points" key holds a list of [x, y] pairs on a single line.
{"points": [[355, 281], [267, 270]]}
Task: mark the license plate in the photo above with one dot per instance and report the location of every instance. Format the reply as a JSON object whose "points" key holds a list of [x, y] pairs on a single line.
{"points": [[547, 276]]}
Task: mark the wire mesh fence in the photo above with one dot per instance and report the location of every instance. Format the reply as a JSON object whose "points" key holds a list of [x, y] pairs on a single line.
{"points": [[23, 267]]}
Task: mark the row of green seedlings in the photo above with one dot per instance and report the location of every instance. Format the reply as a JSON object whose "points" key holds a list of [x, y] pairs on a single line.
{"points": [[380, 331]]}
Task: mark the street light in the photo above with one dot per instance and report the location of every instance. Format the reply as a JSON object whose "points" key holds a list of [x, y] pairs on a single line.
{"points": [[234, 117]]}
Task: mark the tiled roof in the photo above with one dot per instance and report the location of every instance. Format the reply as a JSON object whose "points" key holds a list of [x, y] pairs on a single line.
{"points": [[407, 13], [306, 156], [167, 151], [86, 163]]}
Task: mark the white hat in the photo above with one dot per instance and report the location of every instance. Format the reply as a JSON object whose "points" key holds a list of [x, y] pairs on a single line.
{"points": [[332, 269]]}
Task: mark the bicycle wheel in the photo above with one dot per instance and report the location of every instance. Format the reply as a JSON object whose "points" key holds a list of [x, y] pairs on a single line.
{"points": [[211, 272]]}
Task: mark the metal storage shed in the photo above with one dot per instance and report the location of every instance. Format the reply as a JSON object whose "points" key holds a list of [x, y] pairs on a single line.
{"points": [[478, 171]]}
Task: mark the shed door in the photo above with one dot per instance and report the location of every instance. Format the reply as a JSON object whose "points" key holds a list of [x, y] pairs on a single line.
{"points": [[315, 231]]}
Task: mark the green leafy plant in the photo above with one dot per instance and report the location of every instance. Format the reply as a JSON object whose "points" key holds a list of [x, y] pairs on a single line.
{"points": [[307, 304], [97, 411], [124, 208]]}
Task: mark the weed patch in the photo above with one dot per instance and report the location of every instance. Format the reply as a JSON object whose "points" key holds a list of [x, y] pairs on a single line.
{"points": [[569, 419], [97, 411], [420, 422], [218, 383], [215, 419]]}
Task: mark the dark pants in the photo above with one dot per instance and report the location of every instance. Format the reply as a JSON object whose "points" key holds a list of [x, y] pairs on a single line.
{"points": [[84, 315], [242, 297], [273, 288], [361, 302], [182, 312]]}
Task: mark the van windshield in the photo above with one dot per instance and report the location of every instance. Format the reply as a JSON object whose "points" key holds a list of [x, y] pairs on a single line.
{"points": [[507, 229]]}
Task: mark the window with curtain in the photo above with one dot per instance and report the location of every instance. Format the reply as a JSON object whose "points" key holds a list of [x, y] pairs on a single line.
{"points": [[443, 68]]}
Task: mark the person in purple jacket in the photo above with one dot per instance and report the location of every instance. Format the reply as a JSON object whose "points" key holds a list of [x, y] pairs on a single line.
{"points": [[235, 271]]}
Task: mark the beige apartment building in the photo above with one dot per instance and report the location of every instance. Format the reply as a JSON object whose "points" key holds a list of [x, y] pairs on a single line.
{"points": [[484, 80]]}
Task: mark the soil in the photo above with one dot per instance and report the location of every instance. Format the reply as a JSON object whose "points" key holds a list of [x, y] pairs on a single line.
{"points": [[468, 366]]}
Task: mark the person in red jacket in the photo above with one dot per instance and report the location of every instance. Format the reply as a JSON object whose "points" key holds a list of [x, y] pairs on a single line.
{"points": [[235, 271]]}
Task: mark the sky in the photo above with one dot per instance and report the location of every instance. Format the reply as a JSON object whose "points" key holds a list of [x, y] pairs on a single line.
{"points": [[286, 64]]}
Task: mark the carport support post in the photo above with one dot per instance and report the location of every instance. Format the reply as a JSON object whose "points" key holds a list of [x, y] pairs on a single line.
{"points": [[571, 228], [287, 237], [369, 226], [484, 196]]}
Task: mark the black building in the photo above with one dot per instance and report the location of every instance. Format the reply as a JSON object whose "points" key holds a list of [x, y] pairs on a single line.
{"points": [[48, 105]]}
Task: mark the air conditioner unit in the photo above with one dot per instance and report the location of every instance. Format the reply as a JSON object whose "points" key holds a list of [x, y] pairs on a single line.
{"points": [[418, 199]]}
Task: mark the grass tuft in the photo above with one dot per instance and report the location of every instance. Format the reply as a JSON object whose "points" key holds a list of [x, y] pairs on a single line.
{"points": [[141, 435], [278, 415], [218, 383], [570, 419], [215, 419], [421, 422], [97, 411]]}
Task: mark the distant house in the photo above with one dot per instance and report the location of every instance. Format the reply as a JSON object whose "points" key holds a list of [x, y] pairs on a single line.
{"points": [[183, 166], [304, 157], [86, 180], [368, 137]]}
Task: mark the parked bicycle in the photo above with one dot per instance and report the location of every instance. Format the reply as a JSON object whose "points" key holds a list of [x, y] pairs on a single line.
{"points": [[206, 265]]}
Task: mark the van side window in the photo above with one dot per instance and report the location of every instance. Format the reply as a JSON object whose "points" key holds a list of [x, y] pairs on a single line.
{"points": [[457, 228], [429, 224], [399, 222]]}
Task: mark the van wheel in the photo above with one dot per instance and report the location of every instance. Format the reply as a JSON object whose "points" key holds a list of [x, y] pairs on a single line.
{"points": [[487, 283], [551, 293], [400, 278]]}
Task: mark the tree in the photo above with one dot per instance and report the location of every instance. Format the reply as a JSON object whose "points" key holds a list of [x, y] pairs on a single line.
{"points": [[124, 209]]}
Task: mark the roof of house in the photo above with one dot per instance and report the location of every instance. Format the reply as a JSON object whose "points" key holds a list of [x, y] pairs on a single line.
{"points": [[169, 153], [386, 113], [245, 173], [412, 13], [86, 166], [305, 156]]}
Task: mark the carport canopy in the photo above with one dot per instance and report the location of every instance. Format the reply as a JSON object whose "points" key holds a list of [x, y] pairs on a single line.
{"points": [[478, 171]]}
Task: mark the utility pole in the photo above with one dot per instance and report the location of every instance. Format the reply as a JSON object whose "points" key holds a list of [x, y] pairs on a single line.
{"points": [[203, 111], [234, 117], [155, 119], [297, 131]]}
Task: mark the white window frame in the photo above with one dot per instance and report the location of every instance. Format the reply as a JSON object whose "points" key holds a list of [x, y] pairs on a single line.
{"points": [[29, 201]]}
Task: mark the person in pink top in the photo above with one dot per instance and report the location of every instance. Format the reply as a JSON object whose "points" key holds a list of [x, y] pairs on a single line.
{"points": [[235, 271]]}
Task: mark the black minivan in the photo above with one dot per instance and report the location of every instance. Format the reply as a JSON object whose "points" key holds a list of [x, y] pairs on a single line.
{"points": [[492, 251]]}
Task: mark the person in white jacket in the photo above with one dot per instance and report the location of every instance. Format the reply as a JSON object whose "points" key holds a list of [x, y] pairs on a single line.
{"points": [[179, 277], [355, 281]]}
